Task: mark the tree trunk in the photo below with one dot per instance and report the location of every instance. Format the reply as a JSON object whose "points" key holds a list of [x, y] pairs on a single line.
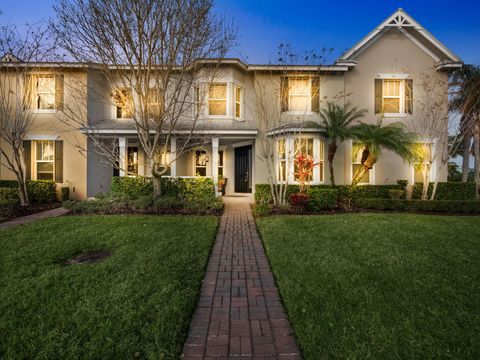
{"points": [[476, 154], [426, 180], [467, 140], [157, 180], [366, 166], [332, 149]]}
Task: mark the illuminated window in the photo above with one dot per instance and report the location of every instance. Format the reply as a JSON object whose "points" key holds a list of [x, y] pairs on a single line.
{"points": [[201, 160], [238, 101], [217, 99], [281, 160], [303, 146], [132, 160], [154, 103], [45, 92], [321, 160], [123, 102], [299, 94], [393, 96], [423, 161], [44, 159], [220, 163], [357, 164]]}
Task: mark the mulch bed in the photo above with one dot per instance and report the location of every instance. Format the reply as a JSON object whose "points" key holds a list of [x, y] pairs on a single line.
{"points": [[33, 209]]}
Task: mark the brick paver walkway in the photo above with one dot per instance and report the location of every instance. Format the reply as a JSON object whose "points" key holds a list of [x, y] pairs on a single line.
{"points": [[239, 315], [38, 216]]}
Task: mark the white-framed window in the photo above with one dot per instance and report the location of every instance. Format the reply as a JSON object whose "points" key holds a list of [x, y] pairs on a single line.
{"points": [[44, 155], [299, 94], [303, 146], [122, 99], [393, 96], [217, 99], [321, 160], [424, 151], [132, 160], [154, 102], [238, 101], [196, 96], [281, 160], [201, 161], [45, 92], [357, 164], [220, 163]]}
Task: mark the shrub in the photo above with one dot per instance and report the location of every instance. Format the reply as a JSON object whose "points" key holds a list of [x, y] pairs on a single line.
{"points": [[8, 184], [299, 200], [321, 199], [442, 206], [447, 191], [133, 187], [65, 193], [403, 184], [260, 210], [8, 207], [42, 191], [263, 196], [193, 189], [396, 194], [9, 193]]}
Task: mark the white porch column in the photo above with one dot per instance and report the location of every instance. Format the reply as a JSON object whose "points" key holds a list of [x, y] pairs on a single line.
{"points": [[173, 155], [122, 154], [215, 162], [316, 160]]}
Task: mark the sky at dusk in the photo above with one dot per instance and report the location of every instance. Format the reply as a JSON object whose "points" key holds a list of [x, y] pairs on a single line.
{"points": [[313, 25]]}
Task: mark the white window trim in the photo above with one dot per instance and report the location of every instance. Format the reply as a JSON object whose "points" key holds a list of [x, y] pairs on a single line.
{"points": [[309, 110], [35, 161], [401, 97], [371, 173], [45, 111], [228, 99], [290, 157]]}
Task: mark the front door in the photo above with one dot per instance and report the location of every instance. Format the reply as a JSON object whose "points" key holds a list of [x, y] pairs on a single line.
{"points": [[243, 169]]}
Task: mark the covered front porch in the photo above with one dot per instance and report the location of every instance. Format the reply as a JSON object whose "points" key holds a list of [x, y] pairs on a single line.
{"points": [[227, 159]]}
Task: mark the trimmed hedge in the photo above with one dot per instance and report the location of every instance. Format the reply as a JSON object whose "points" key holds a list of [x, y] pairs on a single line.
{"points": [[9, 193], [447, 191], [321, 199], [441, 206], [263, 195], [8, 207], [39, 191], [188, 188]]}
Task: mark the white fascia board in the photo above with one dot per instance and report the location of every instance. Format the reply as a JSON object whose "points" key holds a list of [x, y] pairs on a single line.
{"points": [[177, 132]]}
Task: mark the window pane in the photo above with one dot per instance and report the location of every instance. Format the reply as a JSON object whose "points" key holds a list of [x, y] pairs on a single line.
{"points": [[45, 150], [46, 85], [45, 176], [218, 91], [304, 146], [365, 178], [45, 167], [220, 158], [282, 170], [391, 87], [320, 166], [299, 86], [217, 107], [132, 164], [201, 171], [200, 158], [299, 103], [46, 101], [237, 110], [321, 153], [391, 105]]}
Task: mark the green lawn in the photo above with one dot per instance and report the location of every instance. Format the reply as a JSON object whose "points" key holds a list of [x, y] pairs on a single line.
{"points": [[379, 286], [135, 304]]}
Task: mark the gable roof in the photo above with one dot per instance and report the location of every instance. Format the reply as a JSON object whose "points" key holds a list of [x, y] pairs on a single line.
{"points": [[414, 31]]}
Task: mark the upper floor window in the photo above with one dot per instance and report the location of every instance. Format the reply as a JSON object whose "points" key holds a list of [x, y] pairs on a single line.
{"points": [[238, 101], [154, 103], [217, 99], [123, 103], [299, 92], [44, 92], [393, 96]]}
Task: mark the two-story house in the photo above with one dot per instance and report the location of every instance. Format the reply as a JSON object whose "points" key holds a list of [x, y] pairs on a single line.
{"points": [[380, 73]]}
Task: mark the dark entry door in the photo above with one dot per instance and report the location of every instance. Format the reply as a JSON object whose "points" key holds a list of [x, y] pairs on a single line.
{"points": [[243, 169]]}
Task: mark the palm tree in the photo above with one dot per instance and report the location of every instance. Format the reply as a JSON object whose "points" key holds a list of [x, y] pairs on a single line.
{"points": [[336, 123], [373, 138]]}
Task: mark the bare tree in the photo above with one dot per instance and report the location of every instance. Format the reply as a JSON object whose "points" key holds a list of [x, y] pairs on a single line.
{"points": [[19, 46], [273, 118], [151, 54]]}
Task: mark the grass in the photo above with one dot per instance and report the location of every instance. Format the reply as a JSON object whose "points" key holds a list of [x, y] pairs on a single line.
{"points": [[379, 286], [135, 304]]}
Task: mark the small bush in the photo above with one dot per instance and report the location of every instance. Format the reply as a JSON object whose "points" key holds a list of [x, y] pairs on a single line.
{"points": [[42, 191], [8, 184], [403, 184], [133, 187], [65, 193], [441, 206], [8, 207], [260, 210], [9, 194], [321, 199], [299, 200], [447, 191], [396, 194]]}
